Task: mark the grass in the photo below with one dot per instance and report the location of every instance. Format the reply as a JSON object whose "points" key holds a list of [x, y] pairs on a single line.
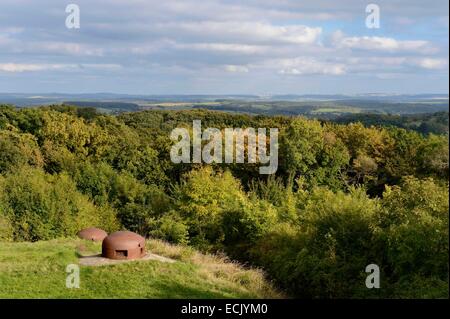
{"points": [[37, 270]]}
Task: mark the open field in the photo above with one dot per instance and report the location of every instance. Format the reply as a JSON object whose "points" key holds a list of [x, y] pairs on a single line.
{"points": [[37, 270]]}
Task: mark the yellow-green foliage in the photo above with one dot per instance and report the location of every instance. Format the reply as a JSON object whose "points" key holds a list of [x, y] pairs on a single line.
{"points": [[218, 211], [44, 206], [413, 226], [337, 235], [74, 133], [339, 201], [314, 152], [18, 149]]}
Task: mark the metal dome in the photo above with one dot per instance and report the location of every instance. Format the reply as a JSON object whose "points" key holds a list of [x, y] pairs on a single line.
{"points": [[92, 233], [123, 245]]}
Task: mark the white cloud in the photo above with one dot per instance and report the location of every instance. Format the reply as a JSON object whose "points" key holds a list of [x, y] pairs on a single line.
{"points": [[224, 47], [173, 43], [432, 63], [244, 31], [18, 67], [29, 67], [306, 66], [374, 43], [373, 63], [236, 68], [68, 48]]}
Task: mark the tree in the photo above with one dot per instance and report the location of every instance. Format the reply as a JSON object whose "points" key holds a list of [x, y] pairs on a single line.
{"points": [[217, 210], [413, 227], [311, 152], [18, 149], [325, 252], [41, 206]]}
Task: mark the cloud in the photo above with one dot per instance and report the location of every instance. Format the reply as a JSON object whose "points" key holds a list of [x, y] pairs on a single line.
{"points": [[236, 68], [142, 45], [17, 67], [248, 32], [387, 44], [24, 67], [305, 66], [397, 64], [66, 48], [224, 47], [432, 64]]}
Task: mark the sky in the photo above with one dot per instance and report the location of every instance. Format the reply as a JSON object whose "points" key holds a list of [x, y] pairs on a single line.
{"points": [[262, 47]]}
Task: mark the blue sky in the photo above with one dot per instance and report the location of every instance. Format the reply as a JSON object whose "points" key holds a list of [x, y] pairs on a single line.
{"points": [[224, 47]]}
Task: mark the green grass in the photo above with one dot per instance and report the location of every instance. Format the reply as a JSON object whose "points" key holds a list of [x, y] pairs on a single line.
{"points": [[37, 270]]}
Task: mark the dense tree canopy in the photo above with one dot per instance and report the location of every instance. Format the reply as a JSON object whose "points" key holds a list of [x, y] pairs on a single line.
{"points": [[344, 195]]}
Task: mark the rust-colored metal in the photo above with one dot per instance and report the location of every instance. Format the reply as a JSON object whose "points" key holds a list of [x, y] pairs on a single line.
{"points": [[123, 245], [92, 233]]}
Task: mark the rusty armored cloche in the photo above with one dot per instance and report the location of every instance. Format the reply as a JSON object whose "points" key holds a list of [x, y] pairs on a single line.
{"points": [[123, 245], [92, 233]]}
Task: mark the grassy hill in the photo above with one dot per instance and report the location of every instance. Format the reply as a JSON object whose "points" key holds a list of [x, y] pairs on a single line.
{"points": [[38, 270]]}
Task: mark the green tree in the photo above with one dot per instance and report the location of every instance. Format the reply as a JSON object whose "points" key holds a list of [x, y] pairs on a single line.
{"points": [[42, 206], [17, 149], [413, 229], [218, 211], [313, 153]]}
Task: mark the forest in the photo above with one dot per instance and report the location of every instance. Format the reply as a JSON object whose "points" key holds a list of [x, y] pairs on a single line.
{"points": [[345, 195]]}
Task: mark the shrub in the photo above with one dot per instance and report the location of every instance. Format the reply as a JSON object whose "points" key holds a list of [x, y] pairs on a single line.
{"points": [[309, 150], [169, 227], [6, 228], [325, 255], [219, 214], [18, 149], [413, 229], [42, 206]]}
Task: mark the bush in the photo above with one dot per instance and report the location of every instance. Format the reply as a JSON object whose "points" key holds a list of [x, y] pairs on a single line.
{"points": [[42, 206], [133, 200], [312, 151], [18, 149], [169, 227], [325, 255], [219, 214], [413, 229], [6, 228]]}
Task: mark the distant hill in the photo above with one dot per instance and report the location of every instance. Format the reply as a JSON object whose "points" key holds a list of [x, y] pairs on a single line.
{"points": [[437, 123], [383, 109]]}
